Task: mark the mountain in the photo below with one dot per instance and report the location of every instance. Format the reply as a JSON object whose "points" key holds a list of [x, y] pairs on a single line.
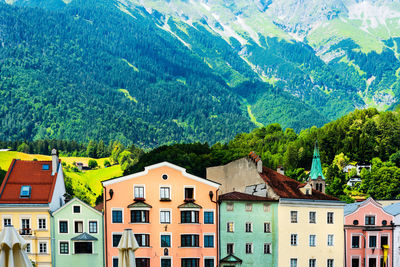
{"points": [[157, 72]]}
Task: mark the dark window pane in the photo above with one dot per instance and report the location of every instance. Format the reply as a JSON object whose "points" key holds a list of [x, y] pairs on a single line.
{"points": [[83, 248], [165, 262], [116, 238], [142, 262], [165, 241], [115, 262], [190, 262], [117, 216], [209, 263], [63, 227], [208, 217]]}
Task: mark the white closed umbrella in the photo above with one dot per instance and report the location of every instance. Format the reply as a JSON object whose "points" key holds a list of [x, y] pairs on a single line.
{"points": [[12, 249], [127, 247]]}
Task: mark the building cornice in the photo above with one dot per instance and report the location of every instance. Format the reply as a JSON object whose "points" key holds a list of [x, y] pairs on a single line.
{"points": [[311, 202]]}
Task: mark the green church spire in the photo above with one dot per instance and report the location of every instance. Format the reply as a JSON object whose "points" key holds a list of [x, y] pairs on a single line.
{"points": [[316, 168]]}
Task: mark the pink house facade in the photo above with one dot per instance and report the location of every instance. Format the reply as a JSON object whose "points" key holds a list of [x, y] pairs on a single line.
{"points": [[368, 235]]}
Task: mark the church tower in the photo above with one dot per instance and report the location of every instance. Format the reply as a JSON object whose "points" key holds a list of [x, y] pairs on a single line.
{"points": [[317, 178]]}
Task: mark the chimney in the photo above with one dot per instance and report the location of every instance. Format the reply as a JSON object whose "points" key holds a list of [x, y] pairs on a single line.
{"points": [[281, 170], [54, 161], [257, 160]]}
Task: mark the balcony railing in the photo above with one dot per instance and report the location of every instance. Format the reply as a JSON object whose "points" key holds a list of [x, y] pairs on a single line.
{"points": [[25, 231]]}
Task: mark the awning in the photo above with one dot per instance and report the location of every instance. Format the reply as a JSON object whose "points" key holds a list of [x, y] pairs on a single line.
{"points": [[189, 205], [231, 259], [139, 204], [84, 237]]}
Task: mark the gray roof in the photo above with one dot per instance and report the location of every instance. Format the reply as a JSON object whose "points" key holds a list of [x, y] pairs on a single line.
{"points": [[350, 208], [393, 209], [84, 237]]}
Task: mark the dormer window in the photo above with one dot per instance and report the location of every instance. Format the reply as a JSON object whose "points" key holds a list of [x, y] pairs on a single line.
{"points": [[46, 167], [25, 191]]}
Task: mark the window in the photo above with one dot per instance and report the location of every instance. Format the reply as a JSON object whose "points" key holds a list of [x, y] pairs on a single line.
{"points": [[189, 193], [26, 227], [190, 262], [28, 248], [77, 209], [372, 241], [189, 216], [267, 248], [249, 227], [249, 207], [117, 216], [166, 263], [355, 241], [355, 262], [165, 193], [189, 240], [329, 217], [312, 217], [142, 262], [369, 220], [139, 216], [267, 227], [230, 227], [63, 227], [249, 248], [6, 221], [293, 239], [312, 263], [165, 241], [42, 223], [209, 263], [42, 247], [139, 192], [384, 240], [46, 167], [267, 208], [293, 216], [93, 227], [312, 240], [208, 241], [208, 217], [64, 248], [143, 240], [78, 227], [229, 248], [293, 262], [83, 248], [165, 216], [115, 262], [115, 239], [329, 263], [25, 191], [330, 240], [229, 206]]}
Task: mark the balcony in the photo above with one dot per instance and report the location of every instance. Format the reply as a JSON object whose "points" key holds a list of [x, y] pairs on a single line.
{"points": [[25, 231]]}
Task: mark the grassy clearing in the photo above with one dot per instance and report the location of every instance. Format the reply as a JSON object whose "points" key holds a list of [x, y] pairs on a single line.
{"points": [[253, 118], [128, 95]]}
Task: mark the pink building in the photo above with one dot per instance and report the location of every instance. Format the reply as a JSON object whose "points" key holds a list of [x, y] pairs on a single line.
{"points": [[172, 213], [368, 235]]}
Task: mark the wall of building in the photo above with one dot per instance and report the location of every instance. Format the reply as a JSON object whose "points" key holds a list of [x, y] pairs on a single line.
{"points": [[378, 230], [396, 241], [59, 190], [258, 216], [231, 175], [152, 180], [86, 214], [37, 236], [303, 252]]}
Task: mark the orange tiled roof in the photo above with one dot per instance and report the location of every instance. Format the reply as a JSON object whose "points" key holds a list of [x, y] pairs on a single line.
{"points": [[29, 173]]}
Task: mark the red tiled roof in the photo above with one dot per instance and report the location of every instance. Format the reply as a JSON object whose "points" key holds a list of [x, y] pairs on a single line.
{"points": [[286, 187], [243, 196], [28, 173]]}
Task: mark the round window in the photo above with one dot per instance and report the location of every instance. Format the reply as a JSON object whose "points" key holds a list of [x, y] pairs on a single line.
{"points": [[164, 176]]}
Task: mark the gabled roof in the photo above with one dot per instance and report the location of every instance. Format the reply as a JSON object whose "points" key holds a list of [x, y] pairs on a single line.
{"points": [[159, 165], [353, 207], [238, 196], [286, 187], [29, 173], [189, 205], [71, 202], [139, 204], [231, 259], [84, 237]]}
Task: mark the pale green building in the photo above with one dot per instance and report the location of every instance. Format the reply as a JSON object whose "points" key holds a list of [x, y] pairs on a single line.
{"points": [[77, 235], [248, 230]]}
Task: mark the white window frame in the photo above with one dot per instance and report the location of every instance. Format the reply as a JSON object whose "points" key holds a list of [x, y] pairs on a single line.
{"points": [[293, 262], [332, 243], [170, 216], [73, 247], [169, 188], [112, 238], [270, 248], [333, 263], [250, 224], [170, 239], [227, 227], [97, 226], [315, 217], [313, 240], [209, 210], [204, 239], [80, 209], [167, 258], [26, 217], [314, 261], [143, 234], [47, 247], [58, 226], [359, 241], [267, 228], [112, 260], [251, 248], [30, 245], [144, 190], [293, 237], [248, 207], [59, 247], [45, 221], [294, 216], [233, 248], [83, 226], [356, 257], [117, 209], [208, 258], [189, 186], [230, 206], [6, 217], [327, 217]]}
